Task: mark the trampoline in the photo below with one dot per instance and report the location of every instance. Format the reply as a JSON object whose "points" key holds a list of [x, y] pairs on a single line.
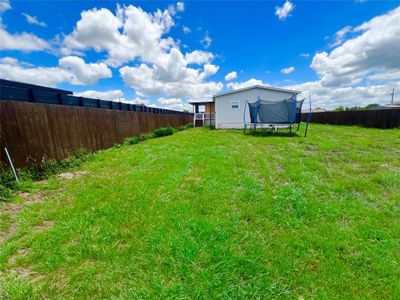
{"points": [[275, 115]]}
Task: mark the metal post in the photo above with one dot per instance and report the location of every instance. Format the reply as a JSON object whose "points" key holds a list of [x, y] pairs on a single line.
{"points": [[11, 164], [308, 119]]}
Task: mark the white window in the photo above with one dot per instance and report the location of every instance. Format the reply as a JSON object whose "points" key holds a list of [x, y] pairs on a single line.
{"points": [[235, 104]]}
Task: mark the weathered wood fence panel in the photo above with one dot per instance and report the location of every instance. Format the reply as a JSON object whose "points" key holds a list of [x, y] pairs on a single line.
{"points": [[385, 118], [33, 131]]}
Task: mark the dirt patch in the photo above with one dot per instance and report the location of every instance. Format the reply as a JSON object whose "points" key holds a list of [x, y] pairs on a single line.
{"points": [[20, 253], [43, 226], [14, 208], [21, 272], [69, 175]]}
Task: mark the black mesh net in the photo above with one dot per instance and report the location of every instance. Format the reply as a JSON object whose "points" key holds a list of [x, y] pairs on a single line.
{"points": [[286, 111]]}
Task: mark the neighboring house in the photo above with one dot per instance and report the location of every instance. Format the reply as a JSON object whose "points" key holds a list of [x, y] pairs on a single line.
{"points": [[395, 105], [225, 110], [318, 109]]}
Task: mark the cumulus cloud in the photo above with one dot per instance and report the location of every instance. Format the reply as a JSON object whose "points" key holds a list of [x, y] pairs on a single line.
{"points": [[173, 103], [329, 98], [375, 49], [83, 73], [241, 85], [285, 10], [230, 76], [128, 34], [288, 70], [361, 69], [171, 77], [198, 57], [33, 20], [22, 41], [12, 69], [111, 95], [71, 69]]}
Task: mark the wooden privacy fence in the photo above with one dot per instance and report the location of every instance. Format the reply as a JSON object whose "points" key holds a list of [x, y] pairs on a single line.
{"points": [[33, 131], [385, 118]]}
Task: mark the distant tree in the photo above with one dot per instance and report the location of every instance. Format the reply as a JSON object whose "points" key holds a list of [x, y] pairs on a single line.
{"points": [[185, 110], [340, 108], [369, 106]]}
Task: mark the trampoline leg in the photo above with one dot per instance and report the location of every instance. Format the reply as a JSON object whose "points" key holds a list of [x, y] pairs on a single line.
{"points": [[305, 133], [244, 130]]}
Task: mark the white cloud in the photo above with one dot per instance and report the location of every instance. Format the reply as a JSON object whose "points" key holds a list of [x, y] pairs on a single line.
{"points": [[362, 69], [173, 103], [305, 55], [329, 98], [340, 36], [206, 41], [129, 34], [375, 49], [171, 78], [111, 95], [288, 70], [132, 34], [180, 6], [186, 30], [385, 76], [13, 70], [4, 5], [209, 70], [241, 85], [230, 76], [33, 20], [285, 10], [83, 73], [198, 57], [71, 69], [22, 41]]}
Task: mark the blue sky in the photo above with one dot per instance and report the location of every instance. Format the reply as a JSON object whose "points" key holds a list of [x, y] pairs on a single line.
{"points": [[168, 53]]}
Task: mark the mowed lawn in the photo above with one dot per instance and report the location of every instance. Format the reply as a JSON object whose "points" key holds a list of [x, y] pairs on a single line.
{"points": [[214, 214]]}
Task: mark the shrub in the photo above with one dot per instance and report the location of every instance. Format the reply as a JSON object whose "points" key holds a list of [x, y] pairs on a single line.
{"points": [[163, 132], [131, 141]]}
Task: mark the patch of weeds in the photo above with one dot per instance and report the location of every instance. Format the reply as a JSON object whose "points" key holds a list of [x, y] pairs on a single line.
{"points": [[185, 127], [209, 127], [131, 141], [165, 131], [7, 184], [41, 171], [51, 167], [145, 137]]}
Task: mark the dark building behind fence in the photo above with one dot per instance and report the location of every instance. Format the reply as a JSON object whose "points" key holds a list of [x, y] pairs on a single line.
{"points": [[39, 123]]}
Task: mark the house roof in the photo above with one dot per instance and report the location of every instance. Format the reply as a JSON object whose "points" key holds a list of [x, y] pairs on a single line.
{"points": [[259, 87]]}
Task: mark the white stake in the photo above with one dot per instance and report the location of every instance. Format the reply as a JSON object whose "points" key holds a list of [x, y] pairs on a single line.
{"points": [[12, 166]]}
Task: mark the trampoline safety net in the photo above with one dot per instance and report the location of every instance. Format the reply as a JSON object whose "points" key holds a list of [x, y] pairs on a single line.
{"points": [[283, 112]]}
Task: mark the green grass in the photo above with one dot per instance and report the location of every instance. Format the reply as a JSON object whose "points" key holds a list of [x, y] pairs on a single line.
{"points": [[214, 214]]}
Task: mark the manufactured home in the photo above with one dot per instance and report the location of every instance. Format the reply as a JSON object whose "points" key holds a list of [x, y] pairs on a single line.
{"points": [[226, 110]]}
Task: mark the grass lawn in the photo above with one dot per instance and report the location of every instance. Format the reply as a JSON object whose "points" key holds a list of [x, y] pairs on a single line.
{"points": [[214, 214]]}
